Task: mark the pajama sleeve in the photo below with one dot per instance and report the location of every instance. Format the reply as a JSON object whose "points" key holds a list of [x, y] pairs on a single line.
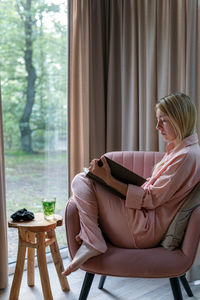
{"points": [[177, 174]]}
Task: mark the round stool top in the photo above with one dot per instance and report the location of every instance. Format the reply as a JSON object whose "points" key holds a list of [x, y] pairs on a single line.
{"points": [[38, 224]]}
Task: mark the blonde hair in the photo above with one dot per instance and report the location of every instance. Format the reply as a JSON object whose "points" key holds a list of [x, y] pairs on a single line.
{"points": [[181, 112]]}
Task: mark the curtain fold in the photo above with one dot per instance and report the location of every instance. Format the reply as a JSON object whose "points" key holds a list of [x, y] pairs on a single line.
{"points": [[3, 220], [124, 56]]}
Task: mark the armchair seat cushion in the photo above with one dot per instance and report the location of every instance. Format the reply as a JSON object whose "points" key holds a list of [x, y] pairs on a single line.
{"points": [[140, 263]]}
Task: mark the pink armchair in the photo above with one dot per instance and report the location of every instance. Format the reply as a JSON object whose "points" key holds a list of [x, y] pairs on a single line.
{"points": [[155, 262]]}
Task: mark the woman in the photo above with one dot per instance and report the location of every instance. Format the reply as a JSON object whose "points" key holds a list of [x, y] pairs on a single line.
{"points": [[144, 216]]}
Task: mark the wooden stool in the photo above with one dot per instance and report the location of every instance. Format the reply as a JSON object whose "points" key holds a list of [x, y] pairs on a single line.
{"points": [[37, 234]]}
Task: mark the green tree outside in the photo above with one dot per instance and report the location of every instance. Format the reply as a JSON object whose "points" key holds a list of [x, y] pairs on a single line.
{"points": [[33, 71]]}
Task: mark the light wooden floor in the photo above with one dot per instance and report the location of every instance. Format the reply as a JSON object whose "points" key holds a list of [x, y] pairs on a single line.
{"points": [[114, 288]]}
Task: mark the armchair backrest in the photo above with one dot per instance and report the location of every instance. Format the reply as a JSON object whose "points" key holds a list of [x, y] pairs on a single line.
{"points": [[140, 162]]}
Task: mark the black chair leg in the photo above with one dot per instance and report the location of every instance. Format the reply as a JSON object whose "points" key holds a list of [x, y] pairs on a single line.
{"points": [[101, 282], [186, 285], [86, 286], [176, 289]]}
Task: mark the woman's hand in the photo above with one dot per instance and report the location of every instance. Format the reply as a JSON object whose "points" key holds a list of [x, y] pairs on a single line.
{"points": [[105, 174], [102, 172]]}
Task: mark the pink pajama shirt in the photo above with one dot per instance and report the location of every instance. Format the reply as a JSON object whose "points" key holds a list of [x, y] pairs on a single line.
{"points": [[142, 219]]}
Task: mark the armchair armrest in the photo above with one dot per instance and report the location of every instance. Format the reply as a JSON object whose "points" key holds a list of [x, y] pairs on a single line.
{"points": [[72, 228]]}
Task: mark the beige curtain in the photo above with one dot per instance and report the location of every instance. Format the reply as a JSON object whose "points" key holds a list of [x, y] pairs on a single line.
{"points": [[3, 222], [124, 56]]}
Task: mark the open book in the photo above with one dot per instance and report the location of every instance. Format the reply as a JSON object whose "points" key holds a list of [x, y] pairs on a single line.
{"points": [[119, 172]]}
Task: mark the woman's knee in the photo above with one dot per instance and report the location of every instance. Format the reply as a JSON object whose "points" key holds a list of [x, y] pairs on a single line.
{"points": [[76, 181], [81, 184]]}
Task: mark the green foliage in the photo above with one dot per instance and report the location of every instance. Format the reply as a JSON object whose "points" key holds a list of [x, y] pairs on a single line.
{"points": [[49, 60]]}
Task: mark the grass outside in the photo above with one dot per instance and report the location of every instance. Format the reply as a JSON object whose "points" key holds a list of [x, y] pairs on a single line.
{"points": [[29, 179]]}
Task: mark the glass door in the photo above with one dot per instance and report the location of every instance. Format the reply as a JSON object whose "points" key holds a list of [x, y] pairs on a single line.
{"points": [[33, 66]]}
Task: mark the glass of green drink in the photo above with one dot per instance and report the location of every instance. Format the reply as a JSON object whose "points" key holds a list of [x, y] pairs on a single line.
{"points": [[49, 208]]}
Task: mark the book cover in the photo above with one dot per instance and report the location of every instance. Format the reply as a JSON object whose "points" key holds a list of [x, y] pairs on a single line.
{"points": [[120, 173]]}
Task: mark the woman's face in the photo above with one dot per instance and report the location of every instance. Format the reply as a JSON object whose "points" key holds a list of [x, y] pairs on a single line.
{"points": [[165, 127]]}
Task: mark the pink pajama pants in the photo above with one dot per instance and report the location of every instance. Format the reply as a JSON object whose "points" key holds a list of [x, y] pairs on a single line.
{"points": [[102, 214]]}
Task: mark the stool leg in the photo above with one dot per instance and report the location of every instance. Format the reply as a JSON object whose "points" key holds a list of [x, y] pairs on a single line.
{"points": [[58, 261], [30, 260], [42, 264], [14, 292]]}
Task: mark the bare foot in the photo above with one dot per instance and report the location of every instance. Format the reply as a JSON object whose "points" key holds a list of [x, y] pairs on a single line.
{"points": [[82, 255]]}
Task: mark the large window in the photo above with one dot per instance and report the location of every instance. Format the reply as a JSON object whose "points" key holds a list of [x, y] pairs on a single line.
{"points": [[33, 66]]}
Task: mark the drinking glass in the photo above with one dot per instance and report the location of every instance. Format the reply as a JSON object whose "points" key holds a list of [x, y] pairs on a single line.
{"points": [[49, 208]]}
